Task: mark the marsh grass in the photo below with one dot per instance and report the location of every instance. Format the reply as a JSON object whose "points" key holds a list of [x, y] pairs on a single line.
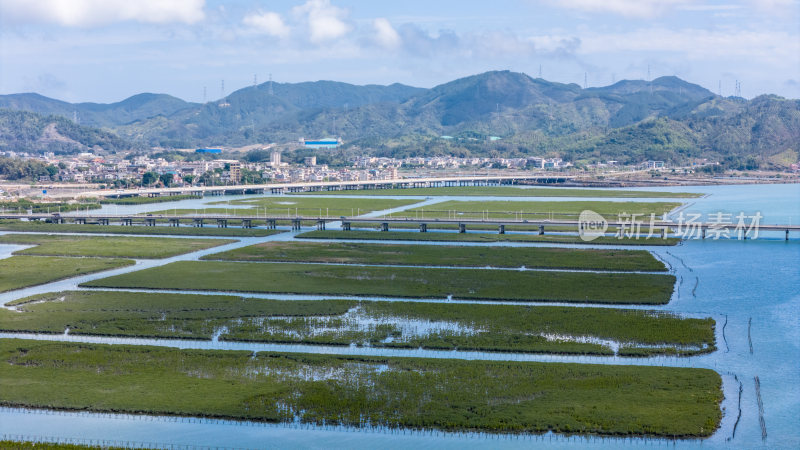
{"points": [[442, 255], [24, 271], [453, 395], [447, 326], [108, 247], [583, 287]]}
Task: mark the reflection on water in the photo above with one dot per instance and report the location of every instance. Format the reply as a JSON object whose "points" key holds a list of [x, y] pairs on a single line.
{"points": [[748, 287]]}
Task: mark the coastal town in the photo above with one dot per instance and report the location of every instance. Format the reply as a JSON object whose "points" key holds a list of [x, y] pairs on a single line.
{"points": [[211, 167]]}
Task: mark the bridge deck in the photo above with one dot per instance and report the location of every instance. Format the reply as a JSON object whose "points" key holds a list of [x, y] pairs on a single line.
{"points": [[387, 220], [311, 186]]}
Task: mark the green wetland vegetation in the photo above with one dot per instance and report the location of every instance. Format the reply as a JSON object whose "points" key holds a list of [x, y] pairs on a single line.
{"points": [[24, 271], [147, 200], [360, 391], [507, 191], [209, 230], [428, 255], [442, 326], [622, 288], [108, 247], [290, 206], [481, 237], [24, 205], [521, 210]]}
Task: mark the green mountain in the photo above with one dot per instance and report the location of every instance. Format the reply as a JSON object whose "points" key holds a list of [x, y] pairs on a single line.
{"points": [[137, 107], [22, 131], [631, 120]]}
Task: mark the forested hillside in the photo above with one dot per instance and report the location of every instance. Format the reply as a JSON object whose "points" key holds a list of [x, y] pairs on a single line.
{"points": [[632, 120], [22, 131]]}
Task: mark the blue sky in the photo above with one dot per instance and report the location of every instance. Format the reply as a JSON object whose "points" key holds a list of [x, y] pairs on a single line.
{"points": [[107, 50]]}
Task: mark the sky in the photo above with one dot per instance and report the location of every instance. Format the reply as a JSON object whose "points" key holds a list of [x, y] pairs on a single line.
{"points": [[107, 50]]}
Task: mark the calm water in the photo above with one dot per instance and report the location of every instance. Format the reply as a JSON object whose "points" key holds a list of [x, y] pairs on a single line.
{"points": [[750, 287]]}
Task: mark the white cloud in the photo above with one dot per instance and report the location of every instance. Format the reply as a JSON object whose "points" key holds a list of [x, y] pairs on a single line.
{"points": [[385, 34], [325, 21], [268, 23], [628, 8], [765, 46], [90, 13]]}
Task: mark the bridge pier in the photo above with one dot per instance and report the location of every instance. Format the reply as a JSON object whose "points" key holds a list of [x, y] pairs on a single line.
{"points": [[102, 221], [80, 221], [247, 223], [462, 228], [127, 222], [198, 223], [787, 235], [272, 224], [501, 229], [320, 225], [296, 224], [345, 226], [385, 226], [149, 222], [423, 228], [222, 223], [174, 222], [541, 230], [703, 231]]}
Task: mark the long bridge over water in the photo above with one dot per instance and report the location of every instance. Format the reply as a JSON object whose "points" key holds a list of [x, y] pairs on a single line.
{"points": [[385, 223], [320, 186]]}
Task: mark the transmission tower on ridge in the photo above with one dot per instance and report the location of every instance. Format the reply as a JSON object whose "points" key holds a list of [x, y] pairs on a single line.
{"points": [[224, 101], [271, 92]]}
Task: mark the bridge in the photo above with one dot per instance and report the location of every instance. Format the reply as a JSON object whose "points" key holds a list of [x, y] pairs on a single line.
{"points": [[320, 186], [385, 223]]}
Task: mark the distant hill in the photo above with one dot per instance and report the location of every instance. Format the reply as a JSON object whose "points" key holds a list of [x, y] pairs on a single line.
{"points": [[137, 107], [666, 118], [22, 131]]}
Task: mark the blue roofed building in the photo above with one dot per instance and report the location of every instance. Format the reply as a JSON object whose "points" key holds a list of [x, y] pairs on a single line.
{"points": [[328, 143], [208, 150]]}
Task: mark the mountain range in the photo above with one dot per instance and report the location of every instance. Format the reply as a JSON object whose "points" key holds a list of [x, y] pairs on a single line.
{"points": [[666, 118]]}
